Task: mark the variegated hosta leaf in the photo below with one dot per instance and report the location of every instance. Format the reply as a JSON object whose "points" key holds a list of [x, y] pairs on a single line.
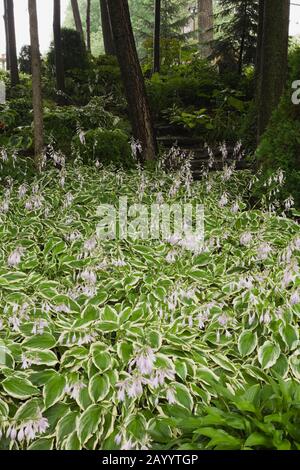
{"points": [[141, 344]]}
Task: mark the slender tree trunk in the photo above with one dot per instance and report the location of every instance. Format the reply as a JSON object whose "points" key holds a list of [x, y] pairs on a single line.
{"points": [[274, 59], [133, 79], [156, 47], [242, 46], [88, 25], [6, 34], [77, 18], [59, 67], [260, 31], [206, 24], [108, 39], [13, 61], [36, 85]]}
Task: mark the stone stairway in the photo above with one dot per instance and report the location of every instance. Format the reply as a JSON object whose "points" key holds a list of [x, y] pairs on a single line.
{"points": [[200, 153]]}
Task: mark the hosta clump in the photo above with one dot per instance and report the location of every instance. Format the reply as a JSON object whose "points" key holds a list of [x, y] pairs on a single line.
{"points": [[110, 344]]}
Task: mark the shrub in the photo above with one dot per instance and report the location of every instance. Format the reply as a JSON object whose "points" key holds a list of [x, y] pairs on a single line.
{"points": [[73, 51], [105, 146], [280, 147], [61, 123], [25, 60]]}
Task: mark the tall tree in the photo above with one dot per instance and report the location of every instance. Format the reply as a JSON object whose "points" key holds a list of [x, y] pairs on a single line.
{"points": [[36, 85], [6, 34], [88, 25], [206, 24], [108, 39], [236, 23], [77, 18], [59, 67], [13, 61], [273, 60], [133, 79], [156, 61]]}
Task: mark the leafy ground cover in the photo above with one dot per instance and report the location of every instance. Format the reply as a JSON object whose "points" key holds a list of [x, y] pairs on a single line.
{"points": [[108, 344]]}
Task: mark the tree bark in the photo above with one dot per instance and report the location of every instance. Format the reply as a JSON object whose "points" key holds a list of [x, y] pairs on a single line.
{"points": [[13, 61], [156, 47], [133, 79], [88, 25], [205, 25], [77, 18], [6, 34], [273, 60], [242, 46], [36, 85], [260, 32], [59, 67], [108, 39]]}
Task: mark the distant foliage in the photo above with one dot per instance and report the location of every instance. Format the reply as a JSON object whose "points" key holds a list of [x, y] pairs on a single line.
{"points": [[104, 147], [73, 50], [174, 16], [236, 25], [25, 60]]}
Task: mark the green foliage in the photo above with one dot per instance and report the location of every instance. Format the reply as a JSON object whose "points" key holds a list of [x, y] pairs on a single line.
{"points": [[61, 123], [25, 60], [180, 96], [104, 146], [174, 16], [97, 46], [73, 52], [236, 25], [219, 328], [258, 417], [279, 147], [184, 86]]}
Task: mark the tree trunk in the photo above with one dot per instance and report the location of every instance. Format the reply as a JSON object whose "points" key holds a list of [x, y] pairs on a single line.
{"points": [[108, 39], [133, 79], [59, 67], [6, 34], [273, 60], [205, 25], [13, 61], [77, 19], [88, 25], [258, 61], [36, 85], [242, 46], [156, 47]]}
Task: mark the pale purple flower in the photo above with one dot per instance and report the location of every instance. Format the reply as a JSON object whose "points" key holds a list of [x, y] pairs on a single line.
{"points": [[22, 191], [74, 389], [159, 377], [223, 201], [246, 239], [263, 251], [235, 208], [89, 276], [171, 257], [171, 396], [295, 298], [15, 257], [119, 263], [39, 326], [127, 445], [144, 361], [90, 244], [223, 319], [135, 388]]}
